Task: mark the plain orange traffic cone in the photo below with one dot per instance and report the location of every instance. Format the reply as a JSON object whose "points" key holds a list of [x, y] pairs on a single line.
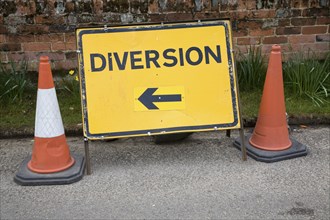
{"points": [[51, 161], [270, 140]]}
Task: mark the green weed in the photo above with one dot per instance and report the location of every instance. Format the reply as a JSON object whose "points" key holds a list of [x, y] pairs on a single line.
{"points": [[305, 76], [14, 82], [69, 83], [251, 69]]}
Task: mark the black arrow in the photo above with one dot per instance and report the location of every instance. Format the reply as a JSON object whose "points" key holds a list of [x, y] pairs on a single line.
{"points": [[147, 98]]}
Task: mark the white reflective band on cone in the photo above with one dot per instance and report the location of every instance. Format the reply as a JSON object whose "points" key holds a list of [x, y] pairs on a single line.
{"points": [[48, 122]]}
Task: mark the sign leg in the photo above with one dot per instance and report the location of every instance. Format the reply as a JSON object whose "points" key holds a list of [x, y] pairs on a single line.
{"points": [[228, 133], [88, 161], [243, 147]]}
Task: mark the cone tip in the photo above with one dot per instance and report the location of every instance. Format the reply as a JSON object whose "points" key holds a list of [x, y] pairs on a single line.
{"points": [[276, 48], [45, 80], [44, 59]]}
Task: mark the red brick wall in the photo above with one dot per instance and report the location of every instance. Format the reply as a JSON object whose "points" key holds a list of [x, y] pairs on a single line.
{"points": [[29, 28]]}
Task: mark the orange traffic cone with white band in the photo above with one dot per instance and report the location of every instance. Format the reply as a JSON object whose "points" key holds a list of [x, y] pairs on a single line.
{"points": [[51, 162], [51, 152], [270, 140]]}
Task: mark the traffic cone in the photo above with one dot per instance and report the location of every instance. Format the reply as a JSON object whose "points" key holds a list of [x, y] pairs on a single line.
{"points": [[270, 141], [51, 162]]}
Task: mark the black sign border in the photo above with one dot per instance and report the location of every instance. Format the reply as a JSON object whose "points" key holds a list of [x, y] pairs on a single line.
{"points": [[152, 27]]}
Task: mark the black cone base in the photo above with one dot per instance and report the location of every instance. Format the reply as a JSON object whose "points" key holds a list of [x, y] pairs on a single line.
{"points": [[25, 177], [296, 150], [165, 138]]}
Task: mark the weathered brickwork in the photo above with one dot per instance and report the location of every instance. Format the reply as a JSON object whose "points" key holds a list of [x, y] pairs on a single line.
{"points": [[29, 28]]}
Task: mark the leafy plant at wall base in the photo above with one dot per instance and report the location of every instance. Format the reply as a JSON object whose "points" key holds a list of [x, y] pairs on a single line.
{"points": [[69, 83], [13, 82], [308, 77], [251, 69]]}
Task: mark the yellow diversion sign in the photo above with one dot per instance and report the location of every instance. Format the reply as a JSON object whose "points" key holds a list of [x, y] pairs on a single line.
{"points": [[157, 79]]}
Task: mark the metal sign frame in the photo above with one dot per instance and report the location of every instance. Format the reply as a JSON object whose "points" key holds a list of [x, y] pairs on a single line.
{"points": [[235, 124]]}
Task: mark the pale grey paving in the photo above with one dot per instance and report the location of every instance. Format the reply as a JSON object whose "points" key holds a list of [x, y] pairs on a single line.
{"points": [[202, 177]]}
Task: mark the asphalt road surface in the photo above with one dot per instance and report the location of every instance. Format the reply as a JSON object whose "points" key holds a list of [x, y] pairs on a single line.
{"points": [[202, 177]]}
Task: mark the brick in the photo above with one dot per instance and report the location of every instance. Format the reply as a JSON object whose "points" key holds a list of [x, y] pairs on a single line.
{"points": [[322, 55], [241, 49], [251, 24], [240, 33], [97, 6], [323, 20], [70, 55], [233, 15], [184, 6], [290, 47], [33, 66], [243, 40], [323, 38], [29, 56], [70, 37], [296, 12], [56, 56], [296, 3], [298, 39], [288, 30], [65, 64], [14, 20], [137, 7], [314, 30], [2, 38], [304, 4], [227, 15], [242, 14], [303, 21], [3, 29], [70, 46], [61, 28], [263, 13], [157, 17], [247, 5], [70, 7], [10, 47], [284, 22], [178, 17], [203, 15], [32, 29], [143, 7], [313, 4], [45, 19], [153, 7], [3, 57], [86, 6], [275, 40], [25, 9], [248, 40], [261, 32], [119, 6], [54, 37], [85, 18], [21, 38], [320, 46], [268, 23], [283, 13], [266, 49], [315, 12], [58, 46], [37, 46]]}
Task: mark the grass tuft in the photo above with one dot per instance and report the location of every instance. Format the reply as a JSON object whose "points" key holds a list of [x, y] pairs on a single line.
{"points": [[14, 82], [251, 69], [308, 77]]}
